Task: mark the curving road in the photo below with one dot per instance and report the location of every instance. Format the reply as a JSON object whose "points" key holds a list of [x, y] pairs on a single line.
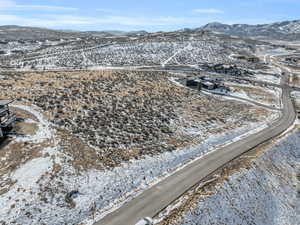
{"points": [[161, 195]]}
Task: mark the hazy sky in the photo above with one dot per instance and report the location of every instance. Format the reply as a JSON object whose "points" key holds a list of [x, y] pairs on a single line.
{"points": [[150, 15]]}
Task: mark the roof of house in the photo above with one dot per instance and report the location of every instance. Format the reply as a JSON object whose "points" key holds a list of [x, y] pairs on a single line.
{"points": [[208, 83], [5, 102]]}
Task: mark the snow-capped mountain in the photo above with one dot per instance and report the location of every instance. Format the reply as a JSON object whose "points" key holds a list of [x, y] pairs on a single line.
{"points": [[281, 30]]}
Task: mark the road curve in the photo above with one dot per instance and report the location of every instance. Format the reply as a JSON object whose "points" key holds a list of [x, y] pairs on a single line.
{"points": [[161, 195]]}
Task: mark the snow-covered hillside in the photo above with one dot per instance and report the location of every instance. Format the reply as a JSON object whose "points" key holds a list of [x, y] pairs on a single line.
{"points": [[281, 30], [267, 193]]}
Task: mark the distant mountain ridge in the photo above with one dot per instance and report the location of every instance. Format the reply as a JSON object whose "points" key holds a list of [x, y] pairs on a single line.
{"points": [[108, 33], [287, 30], [280, 30], [14, 32]]}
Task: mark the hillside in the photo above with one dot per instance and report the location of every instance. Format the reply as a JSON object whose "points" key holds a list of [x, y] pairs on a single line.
{"points": [[288, 30], [13, 32]]}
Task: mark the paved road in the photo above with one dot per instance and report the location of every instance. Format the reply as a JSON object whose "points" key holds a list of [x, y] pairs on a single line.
{"points": [[158, 197]]}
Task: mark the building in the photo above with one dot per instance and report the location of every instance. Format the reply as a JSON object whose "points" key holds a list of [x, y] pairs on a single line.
{"points": [[209, 85], [7, 119], [191, 83], [201, 83]]}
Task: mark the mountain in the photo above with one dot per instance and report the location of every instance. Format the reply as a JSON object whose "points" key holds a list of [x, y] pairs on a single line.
{"points": [[288, 30], [13, 32], [115, 33]]}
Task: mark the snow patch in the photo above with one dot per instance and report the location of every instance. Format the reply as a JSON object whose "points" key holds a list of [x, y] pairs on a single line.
{"points": [[29, 173], [45, 132]]}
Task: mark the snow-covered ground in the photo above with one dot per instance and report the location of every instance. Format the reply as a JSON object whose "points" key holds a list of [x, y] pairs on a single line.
{"points": [[97, 192], [44, 128], [274, 94], [25, 188], [295, 94], [267, 193], [130, 178], [268, 78], [138, 52]]}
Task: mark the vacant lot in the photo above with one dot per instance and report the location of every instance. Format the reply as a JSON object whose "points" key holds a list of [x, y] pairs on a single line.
{"points": [[114, 131], [262, 95], [116, 116]]}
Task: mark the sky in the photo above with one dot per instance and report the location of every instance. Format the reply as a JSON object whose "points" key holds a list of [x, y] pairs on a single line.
{"points": [[149, 15]]}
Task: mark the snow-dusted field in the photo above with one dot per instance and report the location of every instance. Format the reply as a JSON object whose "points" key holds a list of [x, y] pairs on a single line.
{"points": [[267, 96], [49, 187], [171, 49], [39, 193], [131, 54], [268, 78], [267, 193]]}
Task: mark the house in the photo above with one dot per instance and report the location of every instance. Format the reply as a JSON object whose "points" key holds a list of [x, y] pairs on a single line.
{"points": [[209, 85], [201, 83], [191, 83], [7, 119]]}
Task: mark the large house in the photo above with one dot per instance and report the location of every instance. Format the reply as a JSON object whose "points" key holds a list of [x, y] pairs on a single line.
{"points": [[7, 119]]}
